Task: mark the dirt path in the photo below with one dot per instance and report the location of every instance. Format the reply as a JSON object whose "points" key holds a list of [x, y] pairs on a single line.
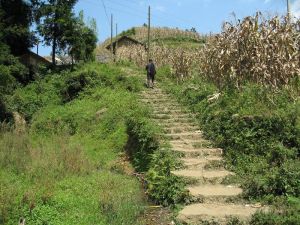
{"points": [[212, 201]]}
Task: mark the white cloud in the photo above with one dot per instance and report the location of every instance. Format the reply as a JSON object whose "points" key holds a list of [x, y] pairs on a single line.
{"points": [[295, 8], [267, 1]]}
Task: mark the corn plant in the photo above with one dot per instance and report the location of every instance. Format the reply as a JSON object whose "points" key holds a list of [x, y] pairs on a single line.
{"points": [[255, 50]]}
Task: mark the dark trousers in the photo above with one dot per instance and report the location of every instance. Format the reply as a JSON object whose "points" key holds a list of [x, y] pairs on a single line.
{"points": [[150, 79]]}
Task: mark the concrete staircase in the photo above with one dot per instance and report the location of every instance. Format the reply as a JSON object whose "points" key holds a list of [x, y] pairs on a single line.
{"points": [[211, 200]]}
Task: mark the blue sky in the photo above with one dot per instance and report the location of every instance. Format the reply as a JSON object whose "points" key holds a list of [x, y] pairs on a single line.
{"points": [[205, 15]]}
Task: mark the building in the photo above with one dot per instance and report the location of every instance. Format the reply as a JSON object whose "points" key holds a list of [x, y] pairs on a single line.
{"points": [[30, 59], [123, 41], [61, 60]]}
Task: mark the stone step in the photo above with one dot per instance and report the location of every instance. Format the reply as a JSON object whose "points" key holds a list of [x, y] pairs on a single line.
{"points": [[161, 116], [169, 102], [170, 111], [173, 106], [203, 176], [198, 152], [200, 162], [169, 115], [151, 95], [165, 107], [214, 212], [153, 91], [156, 97], [156, 90], [177, 130], [189, 143], [175, 120], [184, 144], [159, 100], [185, 135], [214, 193], [177, 124]]}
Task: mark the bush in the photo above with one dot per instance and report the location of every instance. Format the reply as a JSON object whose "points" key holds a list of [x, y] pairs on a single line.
{"points": [[143, 142], [149, 156], [162, 186]]}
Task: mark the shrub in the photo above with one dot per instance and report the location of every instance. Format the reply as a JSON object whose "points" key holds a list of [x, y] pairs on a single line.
{"points": [[162, 186]]}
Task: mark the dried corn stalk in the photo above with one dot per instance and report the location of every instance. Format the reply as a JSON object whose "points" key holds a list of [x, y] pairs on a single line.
{"points": [[255, 50]]}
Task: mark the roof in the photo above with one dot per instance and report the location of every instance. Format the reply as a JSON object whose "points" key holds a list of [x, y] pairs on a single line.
{"points": [[124, 38], [60, 60], [36, 56]]}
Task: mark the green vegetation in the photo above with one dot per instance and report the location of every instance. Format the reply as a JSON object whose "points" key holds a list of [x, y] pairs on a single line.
{"points": [[259, 130], [157, 161], [67, 167], [14, 41], [16, 17], [66, 33], [129, 32], [63, 169]]}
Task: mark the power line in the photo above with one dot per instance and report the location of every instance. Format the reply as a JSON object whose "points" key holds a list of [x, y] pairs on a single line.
{"points": [[105, 11], [126, 10], [164, 17], [167, 15], [121, 4], [135, 13]]}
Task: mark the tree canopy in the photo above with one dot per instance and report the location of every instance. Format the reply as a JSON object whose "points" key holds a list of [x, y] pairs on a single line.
{"points": [[64, 31], [16, 18], [55, 18], [82, 39]]}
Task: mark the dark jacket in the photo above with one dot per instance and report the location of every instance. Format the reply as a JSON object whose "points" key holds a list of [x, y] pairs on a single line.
{"points": [[151, 69]]}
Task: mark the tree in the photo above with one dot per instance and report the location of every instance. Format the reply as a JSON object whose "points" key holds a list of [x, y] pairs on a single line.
{"points": [[193, 29], [16, 18], [55, 17], [82, 39], [11, 70]]}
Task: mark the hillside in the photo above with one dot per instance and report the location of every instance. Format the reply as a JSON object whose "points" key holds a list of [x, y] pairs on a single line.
{"points": [[170, 37], [80, 155], [165, 35]]}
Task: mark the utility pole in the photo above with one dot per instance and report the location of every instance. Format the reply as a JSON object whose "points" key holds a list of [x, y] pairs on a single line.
{"points": [[288, 10], [116, 41], [37, 48], [149, 24], [111, 35]]}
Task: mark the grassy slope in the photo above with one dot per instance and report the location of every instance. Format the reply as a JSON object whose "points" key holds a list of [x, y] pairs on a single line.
{"points": [[68, 167], [169, 37], [65, 169]]}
